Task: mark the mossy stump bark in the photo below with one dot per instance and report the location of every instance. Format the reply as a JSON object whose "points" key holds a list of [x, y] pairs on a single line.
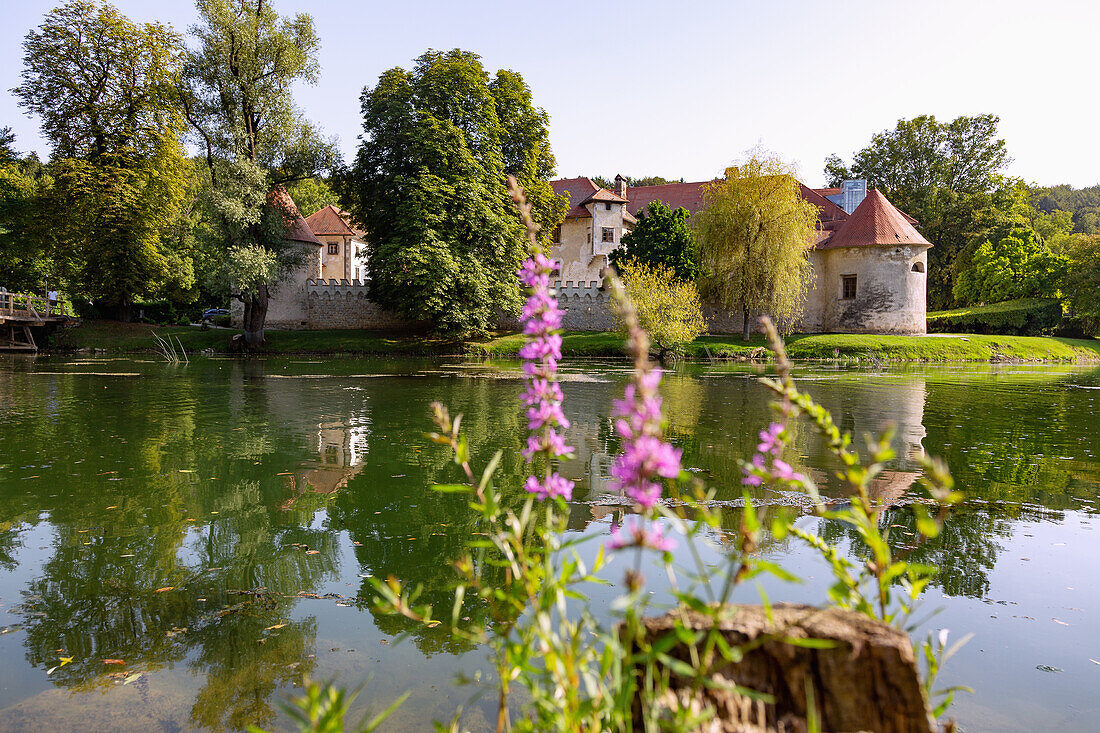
{"points": [[867, 681]]}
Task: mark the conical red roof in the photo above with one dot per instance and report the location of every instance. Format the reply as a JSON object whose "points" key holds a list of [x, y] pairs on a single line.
{"points": [[296, 230], [875, 222]]}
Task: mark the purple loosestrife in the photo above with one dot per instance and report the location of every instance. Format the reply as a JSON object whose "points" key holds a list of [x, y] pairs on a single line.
{"points": [[637, 534], [772, 442], [541, 353], [646, 458]]}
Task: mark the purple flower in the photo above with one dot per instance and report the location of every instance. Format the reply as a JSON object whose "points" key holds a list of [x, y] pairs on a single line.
{"points": [[543, 396], [637, 534], [551, 486], [646, 457], [769, 440]]}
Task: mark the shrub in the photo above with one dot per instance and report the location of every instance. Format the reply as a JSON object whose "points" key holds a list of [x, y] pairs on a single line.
{"points": [[668, 308], [1024, 317]]}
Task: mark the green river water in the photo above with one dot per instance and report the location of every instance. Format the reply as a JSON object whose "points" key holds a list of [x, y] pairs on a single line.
{"points": [[245, 488]]}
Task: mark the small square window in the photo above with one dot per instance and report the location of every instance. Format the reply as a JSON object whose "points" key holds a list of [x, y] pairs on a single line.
{"points": [[848, 287], [608, 234], [607, 206], [334, 248]]}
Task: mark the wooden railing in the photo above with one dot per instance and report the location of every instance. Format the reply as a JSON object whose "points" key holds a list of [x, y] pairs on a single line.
{"points": [[20, 305]]}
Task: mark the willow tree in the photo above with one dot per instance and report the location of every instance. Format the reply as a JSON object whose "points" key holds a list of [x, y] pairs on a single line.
{"points": [[237, 98], [754, 235]]}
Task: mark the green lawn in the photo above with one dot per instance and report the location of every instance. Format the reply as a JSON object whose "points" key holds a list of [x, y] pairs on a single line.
{"points": [[114, 337]]}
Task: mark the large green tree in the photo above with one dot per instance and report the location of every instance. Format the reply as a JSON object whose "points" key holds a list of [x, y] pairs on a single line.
{"points": [[754, 236], [945, 174], [429, 187], [661, 238], [237, 98], [105, 89], [1016, 265], [25, 233]]}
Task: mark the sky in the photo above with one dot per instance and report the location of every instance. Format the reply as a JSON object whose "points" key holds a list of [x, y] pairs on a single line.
{"points": [[683, 88]]}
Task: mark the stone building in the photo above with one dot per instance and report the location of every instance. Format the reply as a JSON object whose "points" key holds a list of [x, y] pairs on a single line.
{"points": [[342, 256], [869, 260]]}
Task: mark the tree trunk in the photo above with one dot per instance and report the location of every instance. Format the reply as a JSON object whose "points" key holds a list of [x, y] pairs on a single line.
{"points": [[866, 681], [746, 331], [255, 313]]}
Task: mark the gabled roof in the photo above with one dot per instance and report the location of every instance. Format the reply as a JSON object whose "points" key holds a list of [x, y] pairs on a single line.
{"points": [[297, 230], [581, 191], [828, 214], [328, 222], [875, 222], [676, 195]]}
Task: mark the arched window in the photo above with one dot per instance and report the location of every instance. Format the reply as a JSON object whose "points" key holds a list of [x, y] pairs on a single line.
{"points": [[918, 267]]}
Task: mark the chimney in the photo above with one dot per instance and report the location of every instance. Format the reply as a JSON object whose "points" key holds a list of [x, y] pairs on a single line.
{"points": [[620, 185]]}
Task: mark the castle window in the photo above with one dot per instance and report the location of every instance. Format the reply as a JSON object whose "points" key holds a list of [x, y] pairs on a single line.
{"points": [[918, 267], [608, 234], [607, 207], [848, 287], [557, 234], [334, 248]]}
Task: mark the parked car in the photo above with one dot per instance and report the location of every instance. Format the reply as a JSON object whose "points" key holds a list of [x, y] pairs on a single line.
{"points": [[211, 313]]}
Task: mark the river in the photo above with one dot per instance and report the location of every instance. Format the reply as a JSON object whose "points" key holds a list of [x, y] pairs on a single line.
{"points": [[181, 519]]}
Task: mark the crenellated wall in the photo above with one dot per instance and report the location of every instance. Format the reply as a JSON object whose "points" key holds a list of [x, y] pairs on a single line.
{"points": [[344, 304]]}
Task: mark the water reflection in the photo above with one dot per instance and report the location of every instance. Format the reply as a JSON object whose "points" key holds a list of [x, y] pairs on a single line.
{"points": [[215, 519]]}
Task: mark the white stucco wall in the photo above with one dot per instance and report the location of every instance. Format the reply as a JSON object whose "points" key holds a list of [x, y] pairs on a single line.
{"points": [[288, 306], [890, 296]]}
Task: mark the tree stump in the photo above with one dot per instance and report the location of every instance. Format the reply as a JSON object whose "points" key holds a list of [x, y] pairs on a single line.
{"points": [[867, 681]]}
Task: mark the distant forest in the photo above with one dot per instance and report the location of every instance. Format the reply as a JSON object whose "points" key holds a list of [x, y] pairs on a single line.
{"points": [[1083, 203]]}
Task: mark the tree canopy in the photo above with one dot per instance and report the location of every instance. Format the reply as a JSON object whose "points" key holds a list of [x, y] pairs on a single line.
{"points": [[754, 235], [1016, 265], [661, 238], [945, 174], [106, 90], [237, 98], [609, 183], [428, 186]]}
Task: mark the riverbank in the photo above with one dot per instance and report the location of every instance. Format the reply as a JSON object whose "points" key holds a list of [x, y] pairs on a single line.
{"points": [[112, 337]]}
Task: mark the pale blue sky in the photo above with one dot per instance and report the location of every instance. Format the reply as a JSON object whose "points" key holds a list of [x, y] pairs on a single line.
{"points": [[683, 87]]}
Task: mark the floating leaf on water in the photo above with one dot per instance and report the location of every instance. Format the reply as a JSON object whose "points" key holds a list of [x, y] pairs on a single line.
{"points": [[313, 552], [1047, 668], [164, 589], [276, 626], [51, 670], [1059, 621], [113, 661], [127, 555], [112, 507], [186, 470], [64, 661], [1093, 660], [132, 678]]}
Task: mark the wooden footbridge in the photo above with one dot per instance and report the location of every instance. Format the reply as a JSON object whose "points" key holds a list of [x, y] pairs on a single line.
{"points": [[21, 315]]}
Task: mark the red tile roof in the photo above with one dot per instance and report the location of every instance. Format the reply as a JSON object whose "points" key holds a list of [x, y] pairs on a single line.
{"points": [[328, 221], [296, 230], [676, 195], [829, 191], [579, 191], [875, 221]]}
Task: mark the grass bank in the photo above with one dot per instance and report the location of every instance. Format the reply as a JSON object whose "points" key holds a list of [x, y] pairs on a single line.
{"points": [[120, 338]]}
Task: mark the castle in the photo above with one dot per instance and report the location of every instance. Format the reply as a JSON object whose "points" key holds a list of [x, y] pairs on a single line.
{"points": [[868, 259]]}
